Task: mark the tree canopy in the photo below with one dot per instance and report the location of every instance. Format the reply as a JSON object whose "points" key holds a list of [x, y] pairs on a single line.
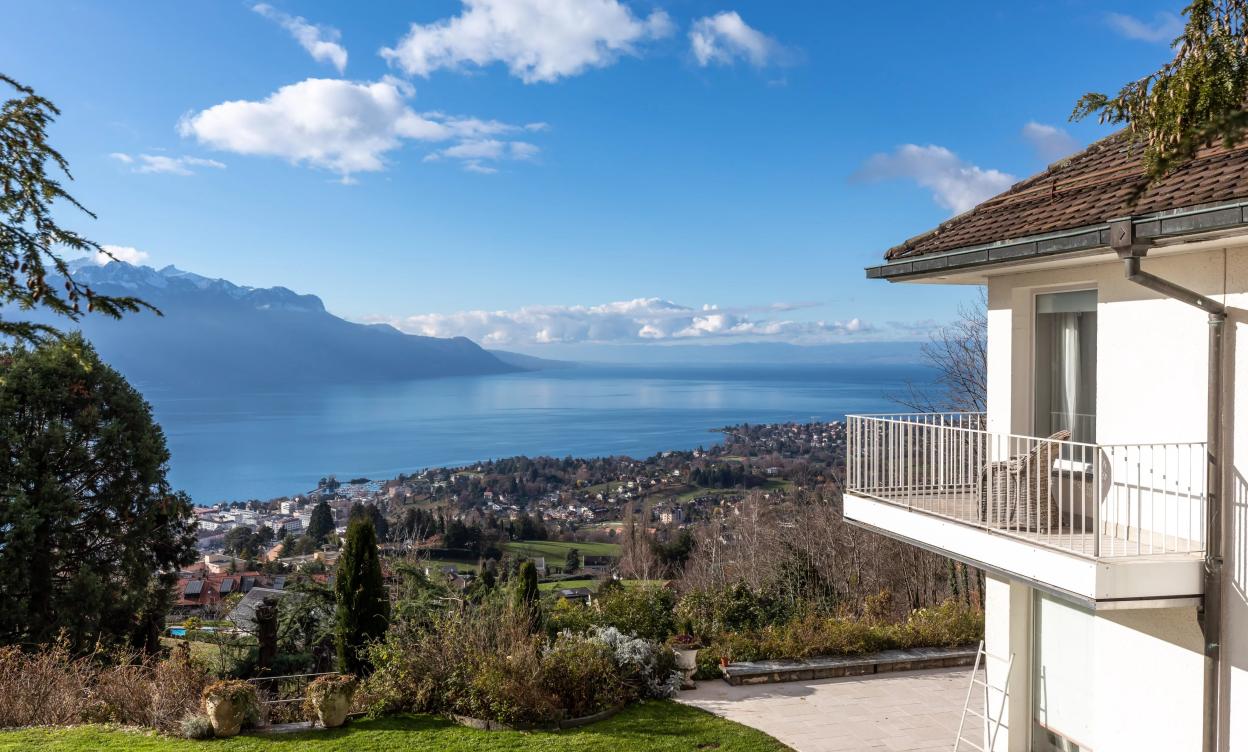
{"points": [[32, 270], [88, 519], [1193, 101]]}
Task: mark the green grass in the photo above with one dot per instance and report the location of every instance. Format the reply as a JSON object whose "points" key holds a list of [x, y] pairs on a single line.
{"points": [[659, 726], [556, 551]]}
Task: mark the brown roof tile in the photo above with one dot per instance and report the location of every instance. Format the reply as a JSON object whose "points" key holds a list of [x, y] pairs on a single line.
{"points": [[1088, 188]]}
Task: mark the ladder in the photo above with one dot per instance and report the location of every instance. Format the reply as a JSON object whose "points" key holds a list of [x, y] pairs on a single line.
{"points": [[991, 725]]}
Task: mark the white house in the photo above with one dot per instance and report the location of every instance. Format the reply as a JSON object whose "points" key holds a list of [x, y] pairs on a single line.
{"points": [[1114, 548]]}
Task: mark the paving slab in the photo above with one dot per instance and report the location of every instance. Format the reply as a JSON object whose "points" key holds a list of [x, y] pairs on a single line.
{"points": [[915, 711]]}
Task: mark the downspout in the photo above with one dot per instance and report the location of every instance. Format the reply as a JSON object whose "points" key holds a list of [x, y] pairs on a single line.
{"points": [[1131, 250]]}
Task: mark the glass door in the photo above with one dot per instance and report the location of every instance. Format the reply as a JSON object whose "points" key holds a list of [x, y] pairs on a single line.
{"points": [[1065, 397]]}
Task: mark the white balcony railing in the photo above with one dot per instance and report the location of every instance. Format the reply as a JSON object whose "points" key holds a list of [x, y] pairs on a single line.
{"points": [[1092, 500]]}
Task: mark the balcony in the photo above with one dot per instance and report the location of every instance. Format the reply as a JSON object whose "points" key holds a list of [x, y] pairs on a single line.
{"points": [[1107, 525]]}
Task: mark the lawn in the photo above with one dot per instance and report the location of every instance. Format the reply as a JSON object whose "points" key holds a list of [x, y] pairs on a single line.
{"points": [[556, 551], [660, 726]]}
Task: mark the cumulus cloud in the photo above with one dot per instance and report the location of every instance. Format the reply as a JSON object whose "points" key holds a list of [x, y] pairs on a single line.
{"points": [[954, 183], [343, 126], [163, 164], [1050, 142], [125, 253], [639, 320], [321, 42], [724, 38], [538, 40], [1164, 27]]}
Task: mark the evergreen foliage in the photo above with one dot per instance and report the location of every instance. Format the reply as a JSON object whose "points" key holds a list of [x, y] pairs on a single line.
{"points": [[1193, 101], [321, 523], [32, 272], [363, 602], [87, 519]]}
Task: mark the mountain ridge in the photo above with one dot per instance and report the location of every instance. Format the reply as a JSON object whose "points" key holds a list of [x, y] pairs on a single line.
{"points": [[214, 331]]}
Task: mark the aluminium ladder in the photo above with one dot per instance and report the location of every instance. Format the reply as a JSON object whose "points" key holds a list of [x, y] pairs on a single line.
{"points": [[991, 725]]}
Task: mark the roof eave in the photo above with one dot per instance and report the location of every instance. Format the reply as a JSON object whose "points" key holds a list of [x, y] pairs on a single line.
{"points": [[1172, 223]]}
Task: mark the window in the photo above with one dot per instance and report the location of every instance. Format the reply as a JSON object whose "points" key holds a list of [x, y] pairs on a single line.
{"points": [[1066, 364]]}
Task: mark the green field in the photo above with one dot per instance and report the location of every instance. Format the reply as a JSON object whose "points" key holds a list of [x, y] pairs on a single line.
{"points": [[770, 485], [593, 584], [660, 726], [556, 551]]}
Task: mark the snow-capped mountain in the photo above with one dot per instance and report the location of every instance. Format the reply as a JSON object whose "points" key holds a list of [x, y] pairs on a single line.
{"points": [[215, 331]]}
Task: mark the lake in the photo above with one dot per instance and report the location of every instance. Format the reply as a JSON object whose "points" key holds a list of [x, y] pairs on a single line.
{"points": [[262, 445]]}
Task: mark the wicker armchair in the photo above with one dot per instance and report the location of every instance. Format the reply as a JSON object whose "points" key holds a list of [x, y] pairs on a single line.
{"points": [[1015, 493]]}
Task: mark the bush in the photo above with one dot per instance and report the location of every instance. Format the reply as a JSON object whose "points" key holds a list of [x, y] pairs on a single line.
{"points": [[196, 726], [644, 611], [482, 661], [53, 687], [733, 608], [582, 675], [811, 634]]}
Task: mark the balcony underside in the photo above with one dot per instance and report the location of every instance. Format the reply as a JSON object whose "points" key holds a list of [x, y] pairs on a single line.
{"points": [[1126, 575]]}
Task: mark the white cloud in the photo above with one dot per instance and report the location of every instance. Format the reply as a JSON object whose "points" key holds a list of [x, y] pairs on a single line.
{"points": [[955, 184], [538, 40], [125, 253], [639, 320], [162, 164], [1049, 141], [725, 38], [343, 126], [321, 42], [1164, 27]]}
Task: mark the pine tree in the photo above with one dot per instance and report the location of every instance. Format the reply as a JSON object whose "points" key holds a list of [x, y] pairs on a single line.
{"points": [[363, 604], [32, 273]]}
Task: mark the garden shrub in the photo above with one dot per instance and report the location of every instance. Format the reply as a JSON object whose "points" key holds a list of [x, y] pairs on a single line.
{"points": [[811, 634], [582, 675], [54, 687], [482, 661]]}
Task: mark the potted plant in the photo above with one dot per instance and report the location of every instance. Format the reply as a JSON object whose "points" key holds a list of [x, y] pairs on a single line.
{"points": [[686, 646], [329, 699], [230, 704]]}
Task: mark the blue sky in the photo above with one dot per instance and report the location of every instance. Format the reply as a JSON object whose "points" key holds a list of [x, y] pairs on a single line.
{"points": [[484, 168]]}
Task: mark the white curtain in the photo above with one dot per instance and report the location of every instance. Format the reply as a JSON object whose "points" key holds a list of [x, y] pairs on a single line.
{"points": [[1066, 386]]}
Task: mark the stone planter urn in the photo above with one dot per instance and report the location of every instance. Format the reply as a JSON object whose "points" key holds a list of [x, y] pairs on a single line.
{"points": [[329, 699], [228, 704], [687, 662]]}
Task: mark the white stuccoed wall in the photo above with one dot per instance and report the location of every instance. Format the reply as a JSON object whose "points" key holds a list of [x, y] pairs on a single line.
{"points": [[1151, 374]]}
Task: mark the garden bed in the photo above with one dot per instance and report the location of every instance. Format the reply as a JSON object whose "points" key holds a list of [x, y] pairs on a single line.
{"points": [[912, 659], [482, 724]]}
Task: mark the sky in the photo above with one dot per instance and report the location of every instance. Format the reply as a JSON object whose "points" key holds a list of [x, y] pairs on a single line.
{"points": [[534, 172]]}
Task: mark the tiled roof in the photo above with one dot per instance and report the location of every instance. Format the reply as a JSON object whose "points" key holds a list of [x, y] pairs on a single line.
{"points": [[1089, 188]]}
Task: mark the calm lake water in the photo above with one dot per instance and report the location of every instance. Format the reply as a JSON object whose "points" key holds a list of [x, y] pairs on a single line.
{"points": [[241, 446]]}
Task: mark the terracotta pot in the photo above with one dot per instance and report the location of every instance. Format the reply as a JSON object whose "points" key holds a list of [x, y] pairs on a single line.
{"points": [[226, 716], [332, 710], [723, 661]]}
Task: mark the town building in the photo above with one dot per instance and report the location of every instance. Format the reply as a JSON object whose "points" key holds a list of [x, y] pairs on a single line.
{"points": [[1103, 490]]}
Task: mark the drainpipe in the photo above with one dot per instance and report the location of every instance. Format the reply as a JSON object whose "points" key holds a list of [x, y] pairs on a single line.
{"points": [[1131, 250]]}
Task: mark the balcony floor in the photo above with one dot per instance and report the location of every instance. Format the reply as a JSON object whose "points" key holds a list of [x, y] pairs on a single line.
{"points": [[1127, 574], [1071, 535]]}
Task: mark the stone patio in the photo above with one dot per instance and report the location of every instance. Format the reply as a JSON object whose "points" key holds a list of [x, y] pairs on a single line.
{"points": [[917, 711]]}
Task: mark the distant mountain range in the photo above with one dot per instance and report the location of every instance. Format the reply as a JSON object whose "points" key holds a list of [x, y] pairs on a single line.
{"points": [[214, 332]]}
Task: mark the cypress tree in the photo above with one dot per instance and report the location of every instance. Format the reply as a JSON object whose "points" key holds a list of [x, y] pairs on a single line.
{"points": [[363, 604], [321, 524]]}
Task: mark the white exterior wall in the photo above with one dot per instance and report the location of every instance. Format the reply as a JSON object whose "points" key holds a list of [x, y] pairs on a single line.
{"points": [[1146, 691]]}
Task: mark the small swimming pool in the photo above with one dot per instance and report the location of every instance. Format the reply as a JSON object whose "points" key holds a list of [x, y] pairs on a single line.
{"points": [[177, 631]]}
